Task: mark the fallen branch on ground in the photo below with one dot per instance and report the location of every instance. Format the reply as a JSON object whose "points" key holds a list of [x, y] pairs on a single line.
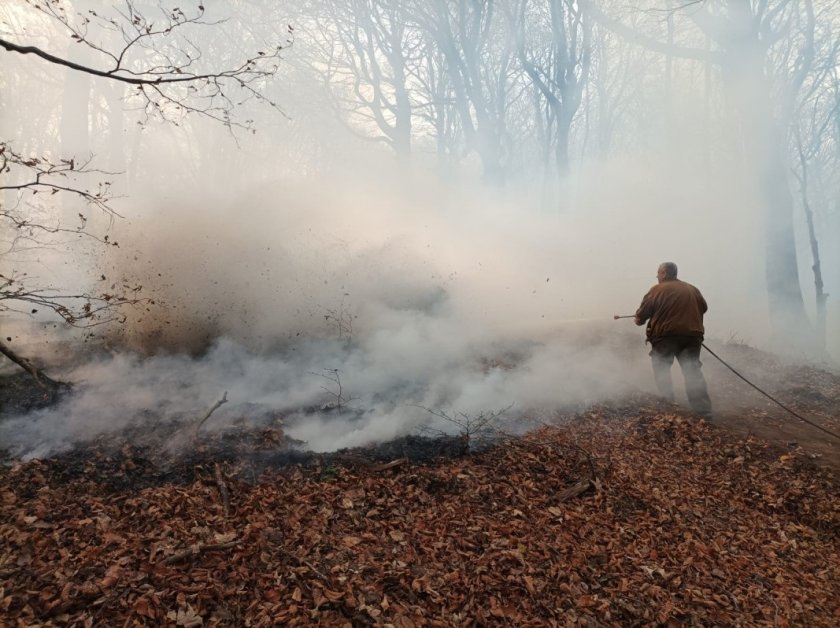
{"points": [[199, 548], [44, 382], [390, 465], [578, 488]]}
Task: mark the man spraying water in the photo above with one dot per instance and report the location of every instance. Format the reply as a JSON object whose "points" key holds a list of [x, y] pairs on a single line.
{"points": [[673, 310]]}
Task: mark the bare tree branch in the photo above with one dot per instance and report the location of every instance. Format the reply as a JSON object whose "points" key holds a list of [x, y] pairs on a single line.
{"points": [[41, 174], [634, 36], [165, 74], [157, 56]]}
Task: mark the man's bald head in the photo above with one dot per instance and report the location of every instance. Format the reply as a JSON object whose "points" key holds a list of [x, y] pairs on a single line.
{"points": [[666, 270]]}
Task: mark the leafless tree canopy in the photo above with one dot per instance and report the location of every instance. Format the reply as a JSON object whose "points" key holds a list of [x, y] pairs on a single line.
{"points": [[520, 90], [169, 77], [157, 55], [546, 86]]}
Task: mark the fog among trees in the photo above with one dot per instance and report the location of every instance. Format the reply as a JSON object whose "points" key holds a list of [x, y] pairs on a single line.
{"points": [[704, 131]]}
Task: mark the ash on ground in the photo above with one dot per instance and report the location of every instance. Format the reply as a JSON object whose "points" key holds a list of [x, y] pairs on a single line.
{"points": [[156, 452]]}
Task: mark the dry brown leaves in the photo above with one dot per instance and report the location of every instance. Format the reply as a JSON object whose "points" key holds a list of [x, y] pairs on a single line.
{"points": [[685, 525]]}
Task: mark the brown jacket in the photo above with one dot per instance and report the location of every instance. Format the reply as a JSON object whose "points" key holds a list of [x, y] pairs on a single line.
{"points": [[673, 308]]}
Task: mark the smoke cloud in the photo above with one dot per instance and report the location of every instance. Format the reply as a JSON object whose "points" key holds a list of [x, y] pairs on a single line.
{"points": [[301, 269], [394, 306]]}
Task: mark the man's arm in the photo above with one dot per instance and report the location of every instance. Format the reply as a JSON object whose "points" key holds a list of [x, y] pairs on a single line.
{"points": [[701, 302], [645, 311]]}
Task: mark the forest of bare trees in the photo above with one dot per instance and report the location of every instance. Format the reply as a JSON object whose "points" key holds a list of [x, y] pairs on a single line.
{"points": [[540, 86], [523, 92]]}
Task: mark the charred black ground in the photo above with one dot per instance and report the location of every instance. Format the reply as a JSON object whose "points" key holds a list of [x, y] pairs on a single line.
{"points": [[140, 457], [171, 452]]}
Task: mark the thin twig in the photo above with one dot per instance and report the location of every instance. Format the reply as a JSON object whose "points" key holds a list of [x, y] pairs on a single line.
{"points": [[593, 474], [223, 490], [306, 563], [220, 402]]}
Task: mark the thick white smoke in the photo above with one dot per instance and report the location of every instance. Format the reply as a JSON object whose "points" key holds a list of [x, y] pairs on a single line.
{"points": [[442, 300], [283, 262]]}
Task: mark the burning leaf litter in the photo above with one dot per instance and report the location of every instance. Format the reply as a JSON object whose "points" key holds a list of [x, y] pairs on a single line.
{"points": [[622, 514]]}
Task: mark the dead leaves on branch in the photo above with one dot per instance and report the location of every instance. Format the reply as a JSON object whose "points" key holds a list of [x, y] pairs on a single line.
{"points": [[679, 525]]}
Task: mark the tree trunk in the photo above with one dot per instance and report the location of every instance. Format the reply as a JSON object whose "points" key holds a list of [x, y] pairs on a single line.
{"points": [[787, 307], [748, 90]]}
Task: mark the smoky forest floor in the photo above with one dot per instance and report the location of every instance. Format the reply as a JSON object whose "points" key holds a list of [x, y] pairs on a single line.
{"points": [[633, 512]]}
